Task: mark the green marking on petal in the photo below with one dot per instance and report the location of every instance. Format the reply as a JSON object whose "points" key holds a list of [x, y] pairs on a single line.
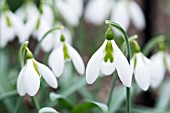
{"points": [[8, 21], [135, 61], [66, 54], [35, 67], [109, 52], [38, 23], [165, 61]]}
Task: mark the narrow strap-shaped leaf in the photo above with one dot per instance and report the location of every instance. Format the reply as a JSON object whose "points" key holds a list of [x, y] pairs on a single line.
{"points": [[62, 100], [85, 106]]}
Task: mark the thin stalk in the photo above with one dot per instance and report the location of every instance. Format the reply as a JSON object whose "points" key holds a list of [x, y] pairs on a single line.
{"points": [[118, 27], [112, 88], [36, 104], [37, 48], [128, 100], [153, 43]]}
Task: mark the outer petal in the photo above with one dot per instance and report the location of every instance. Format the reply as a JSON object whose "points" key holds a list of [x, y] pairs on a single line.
{"points": [[122, 66], [94, 64], [68, 12], [20, 84], [7, 33], [48, 43], [137, 15], [47, 110], [142, 73], [120, 14], [76, 58], [97, 11], [157, 59], [107, 68], [31, 79], [47, 75], [56, 60]]}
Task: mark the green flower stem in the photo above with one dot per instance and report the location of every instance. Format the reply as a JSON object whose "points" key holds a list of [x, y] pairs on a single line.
{"points": [[36, 104], [153, 43], [22, 52], [112, 88], [37, 49], [118, 27], [128, 100]]}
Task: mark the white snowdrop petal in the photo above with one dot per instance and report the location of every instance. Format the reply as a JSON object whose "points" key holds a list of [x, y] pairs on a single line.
{"points": [[24, 30], [122, 66], [76, 58], [56, 60], [20, 84], [97, 11], [31, 79], [142, 73], [47, 110], [47, 14], [120, 14], [47, 75], [68, 12], [157, 59], [107, 68], [48, 43], [94, 64], [7, 32], [137, 15]]}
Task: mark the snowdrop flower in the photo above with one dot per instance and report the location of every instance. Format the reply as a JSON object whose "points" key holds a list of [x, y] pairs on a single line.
{"points": [[45, 23], [126, 10], [47, 110], [71, 10], [7, 30], [62, 53], [162, 62], [25, 21], [97, 11], [143, 69], [29, 77], [108, 58]]}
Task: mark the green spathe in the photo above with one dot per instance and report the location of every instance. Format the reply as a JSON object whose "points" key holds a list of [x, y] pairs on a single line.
{"points": [[109, 33]]}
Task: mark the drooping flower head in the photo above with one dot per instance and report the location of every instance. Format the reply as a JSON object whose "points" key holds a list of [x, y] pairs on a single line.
{"points": [[62, 53], [7, 30], [71, 10], [25, 20], [108, 58], [143, 68], [127, 10], [29, 77]]}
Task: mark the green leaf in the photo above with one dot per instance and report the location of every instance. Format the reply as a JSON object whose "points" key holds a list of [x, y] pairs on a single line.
{"points": [[164, 96], [74, 87], [119, 95], [63, 101], [85, 106]]}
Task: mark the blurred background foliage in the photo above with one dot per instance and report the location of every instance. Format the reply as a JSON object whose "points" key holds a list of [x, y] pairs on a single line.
{"points": [[86, 39]]}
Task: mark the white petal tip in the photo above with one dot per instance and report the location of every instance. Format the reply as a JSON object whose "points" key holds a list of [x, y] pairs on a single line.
{"points": [[47, 110]]}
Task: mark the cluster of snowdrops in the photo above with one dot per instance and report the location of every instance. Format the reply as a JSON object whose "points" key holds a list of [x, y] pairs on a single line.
{"points": [[107, 59]]}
